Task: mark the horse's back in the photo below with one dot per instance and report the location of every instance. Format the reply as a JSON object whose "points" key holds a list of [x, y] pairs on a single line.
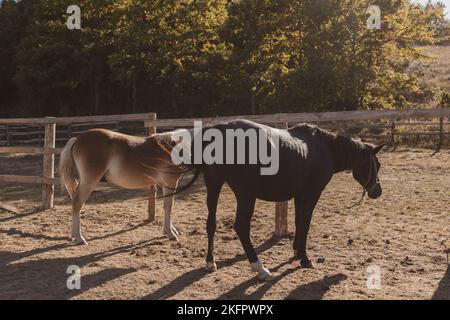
{"points": [[248, 178], [302, 158], [99, 136]]}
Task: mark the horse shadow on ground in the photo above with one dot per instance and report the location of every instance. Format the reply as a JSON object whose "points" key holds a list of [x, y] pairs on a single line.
{"points": [[316, 290], [310, 291], [47, 278], [189, 278], [239, 292], [443, 290]]}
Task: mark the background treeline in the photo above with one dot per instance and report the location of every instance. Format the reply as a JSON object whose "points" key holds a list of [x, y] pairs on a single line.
{"points": [[183, 58]]}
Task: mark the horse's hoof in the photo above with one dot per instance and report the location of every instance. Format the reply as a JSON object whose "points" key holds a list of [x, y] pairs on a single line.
{"points": [[80, 242], [306, 264], [263, 273], [265, 276], [211, 266], [171, 235]]}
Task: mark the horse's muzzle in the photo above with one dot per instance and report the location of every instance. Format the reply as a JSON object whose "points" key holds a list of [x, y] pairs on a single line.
{"points": [[375, 192]]}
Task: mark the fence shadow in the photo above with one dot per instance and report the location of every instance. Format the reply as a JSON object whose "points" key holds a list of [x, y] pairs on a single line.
{"points": [[64, 242], [24, 234], [26, 213], [188, 278], [443, 290]]}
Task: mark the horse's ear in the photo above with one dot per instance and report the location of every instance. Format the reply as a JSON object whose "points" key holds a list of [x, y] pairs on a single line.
{"points": [[378, 149]]}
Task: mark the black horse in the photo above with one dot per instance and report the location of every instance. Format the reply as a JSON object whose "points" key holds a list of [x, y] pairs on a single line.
{"points": [[308, 158]]}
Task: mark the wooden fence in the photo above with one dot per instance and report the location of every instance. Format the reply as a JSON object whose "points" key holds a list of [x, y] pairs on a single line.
{"points": [[43, 133], [49, 150], [385, 125]]}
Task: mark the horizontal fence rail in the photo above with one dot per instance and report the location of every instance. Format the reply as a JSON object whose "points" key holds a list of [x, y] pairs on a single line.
{"points": [[28, 179], [30, 150], [312, 117], [82, 119]]}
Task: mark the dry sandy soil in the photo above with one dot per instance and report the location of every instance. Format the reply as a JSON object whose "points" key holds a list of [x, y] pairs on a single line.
{"points": [[402, 233]]}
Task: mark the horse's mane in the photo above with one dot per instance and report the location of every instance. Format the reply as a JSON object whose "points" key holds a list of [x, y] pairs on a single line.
{"points": [[347, 151]]}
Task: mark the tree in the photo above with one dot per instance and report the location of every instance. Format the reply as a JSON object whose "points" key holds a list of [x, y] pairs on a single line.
{"points": [[211, 57], [14, 18]]}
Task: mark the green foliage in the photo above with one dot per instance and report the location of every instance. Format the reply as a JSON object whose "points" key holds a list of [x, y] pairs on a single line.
{"points": [[208, 57]]}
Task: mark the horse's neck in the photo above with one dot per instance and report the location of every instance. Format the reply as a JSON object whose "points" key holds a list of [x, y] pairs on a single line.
{"points": [[347, 153]]}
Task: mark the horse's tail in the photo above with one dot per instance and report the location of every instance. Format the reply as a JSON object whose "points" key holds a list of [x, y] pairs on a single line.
{"points": [[166, 143], [178, 190], [67, 168]]}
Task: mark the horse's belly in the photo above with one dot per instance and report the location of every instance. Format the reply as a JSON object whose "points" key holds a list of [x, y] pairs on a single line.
{"points": [[125, 177], [125, 183], [275, 198], [281, 187], [275, 193]]}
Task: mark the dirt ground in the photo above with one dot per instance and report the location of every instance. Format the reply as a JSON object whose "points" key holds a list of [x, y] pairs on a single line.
{"points": [[401, 233]]}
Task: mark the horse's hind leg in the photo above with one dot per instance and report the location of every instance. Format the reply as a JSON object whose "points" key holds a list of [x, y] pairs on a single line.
{"points": [[79, 199], [168, 228], [244, 212]]}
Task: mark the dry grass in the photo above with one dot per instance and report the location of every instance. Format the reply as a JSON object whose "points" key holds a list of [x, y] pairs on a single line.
{"points": [[435, 72]]}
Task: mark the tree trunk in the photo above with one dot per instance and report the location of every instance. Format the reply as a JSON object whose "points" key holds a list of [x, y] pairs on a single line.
{"points": [[173, 96], [133, 95], [96, 97], [253, 103]]}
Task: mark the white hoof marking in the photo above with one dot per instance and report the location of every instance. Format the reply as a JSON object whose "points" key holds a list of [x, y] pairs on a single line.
{"points": [[81, 241], [211, 266], [172, 235], [263, 273]]}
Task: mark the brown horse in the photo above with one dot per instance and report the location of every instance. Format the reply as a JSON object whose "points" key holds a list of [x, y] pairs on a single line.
{"points": [[125, 161]]}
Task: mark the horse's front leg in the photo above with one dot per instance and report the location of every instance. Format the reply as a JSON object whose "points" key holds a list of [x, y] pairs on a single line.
{"points": [[213, 186], [244, 213], [168, 228], [304, 207], [212, 199]]}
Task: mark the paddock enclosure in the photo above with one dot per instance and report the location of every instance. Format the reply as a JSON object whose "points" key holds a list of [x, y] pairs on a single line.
{"points": [[404, 234]]}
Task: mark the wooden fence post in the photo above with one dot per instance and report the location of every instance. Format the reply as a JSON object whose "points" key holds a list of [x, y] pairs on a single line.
{"points": [[441, 133], [39, 136], [152, 189], [8, 136], [69, 131], [281, 213], [393, 133], [48, 189]]}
